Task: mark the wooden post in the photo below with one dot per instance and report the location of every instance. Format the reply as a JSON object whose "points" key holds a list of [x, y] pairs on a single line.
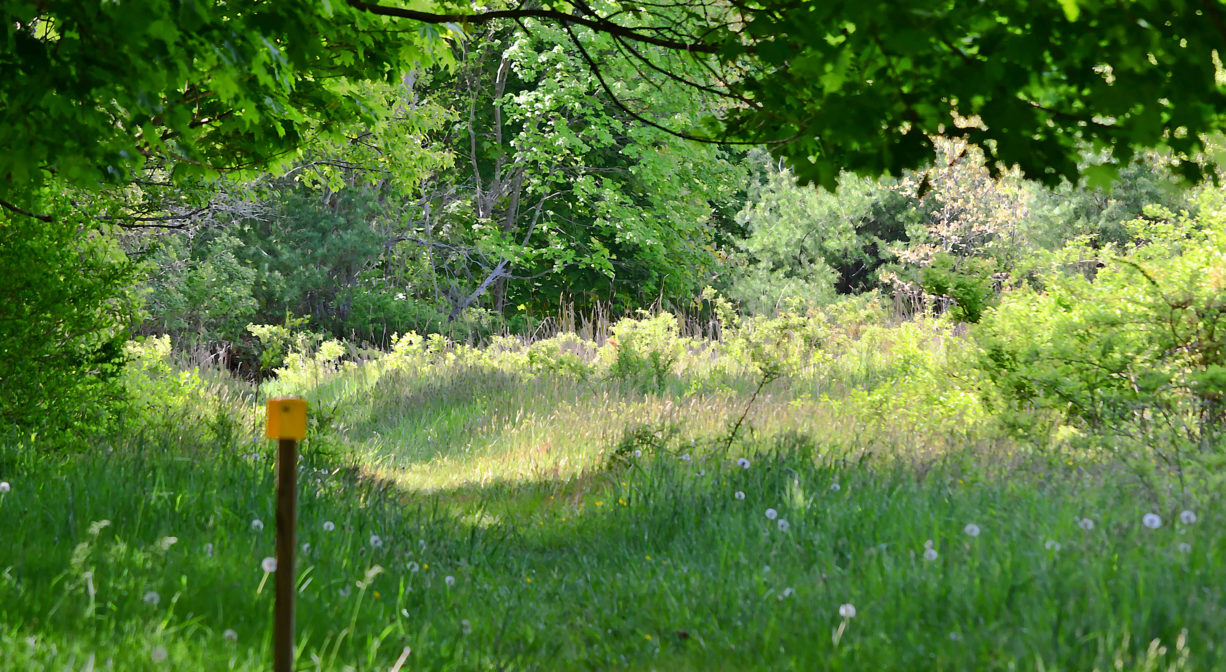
{"points": [[287, 524], [286, 424]]}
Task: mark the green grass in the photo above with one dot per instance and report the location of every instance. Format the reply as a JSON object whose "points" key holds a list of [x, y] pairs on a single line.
{"points": [[569, 551]]}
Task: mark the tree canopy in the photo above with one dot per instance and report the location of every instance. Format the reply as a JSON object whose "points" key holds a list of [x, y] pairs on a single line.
{"points": [[91, 93]]}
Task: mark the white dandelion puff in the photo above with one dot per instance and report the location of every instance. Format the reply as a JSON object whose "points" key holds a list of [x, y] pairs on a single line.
{"points": [[847, 610], [739, 494], [306, 548], [230, 636], [930, 554], [1184, 547], [208, 550], [1052, 545], [835, 487], [329, 526], [269, 565], [375, 541], [685, 457], [1086, 524], [1187, 517], [257, 525], [787, 592], [783, 525], [638, 453], [152, 598], [971, 530], [771, 514], [702, 472], [5, 487], [928, 544], [158, 654], [167, 542], [412, 567], [466, 627], [450, 581], [344, 591], [742, 463], [1151, 520]]}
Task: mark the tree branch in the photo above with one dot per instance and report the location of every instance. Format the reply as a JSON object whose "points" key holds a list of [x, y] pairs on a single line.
{"points": [[599, 24], [42, 218]]}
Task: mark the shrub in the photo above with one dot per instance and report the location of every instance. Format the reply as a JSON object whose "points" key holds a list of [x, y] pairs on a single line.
{"points": [[64, 318], [1137, 353]]}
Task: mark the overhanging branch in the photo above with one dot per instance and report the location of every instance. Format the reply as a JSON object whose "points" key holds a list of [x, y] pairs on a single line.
{"points": [[597, 23]]}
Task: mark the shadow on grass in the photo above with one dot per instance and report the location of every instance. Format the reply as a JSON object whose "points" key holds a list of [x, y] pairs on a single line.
{"points": [[658, 563]]}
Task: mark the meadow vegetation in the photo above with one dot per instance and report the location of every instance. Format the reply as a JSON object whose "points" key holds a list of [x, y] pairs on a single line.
{"points": [[822, 488]]}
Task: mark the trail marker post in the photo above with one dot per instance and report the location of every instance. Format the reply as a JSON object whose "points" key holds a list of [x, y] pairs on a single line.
{"points": [[286, 424]]}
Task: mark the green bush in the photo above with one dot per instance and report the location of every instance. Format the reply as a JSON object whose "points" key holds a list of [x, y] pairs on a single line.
{"points": [[64, 318], [645, 351], [1137, 354], [966, 282]]}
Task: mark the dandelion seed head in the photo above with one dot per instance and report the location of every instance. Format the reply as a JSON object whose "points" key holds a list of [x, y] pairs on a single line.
{"points": [[928, 544], [466, 627], [158, 654], [167, 542], [257, 525], [742, 463], [847, 610], [208, 550], [739, 494], [772, 514], [702, 472], [375, 541], [638, 453], [1052, 545], [1184, 547], [685, 457], [1086, 524], [1187, 517], [1151, 520], [787, 592], [269, 565], [329, 526], [152, 598], [412, 567], [230, 636], [5, 487], [783, 525], [450, 580], [835, 487], [306, 548], [971, 530], [930, 554]]}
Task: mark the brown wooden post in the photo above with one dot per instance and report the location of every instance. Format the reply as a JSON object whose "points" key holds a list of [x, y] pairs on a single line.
{"points": [[286, 424], [287, 524]]}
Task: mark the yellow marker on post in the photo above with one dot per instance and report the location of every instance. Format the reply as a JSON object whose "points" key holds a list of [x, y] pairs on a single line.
{"points": [[287, 424], [286, 419]]}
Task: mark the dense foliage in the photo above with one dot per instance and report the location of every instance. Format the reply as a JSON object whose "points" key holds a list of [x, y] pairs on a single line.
{"points": [[569, 361]]}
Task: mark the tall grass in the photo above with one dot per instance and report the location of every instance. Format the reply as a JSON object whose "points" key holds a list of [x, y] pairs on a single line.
{"points": [[563, 505]]}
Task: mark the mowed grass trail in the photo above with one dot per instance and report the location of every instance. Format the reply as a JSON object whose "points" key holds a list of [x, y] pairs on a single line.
{"points": [[492, 517]]}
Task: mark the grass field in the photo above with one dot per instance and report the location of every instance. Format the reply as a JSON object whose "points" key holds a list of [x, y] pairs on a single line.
{"points": [[566, 505]]}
